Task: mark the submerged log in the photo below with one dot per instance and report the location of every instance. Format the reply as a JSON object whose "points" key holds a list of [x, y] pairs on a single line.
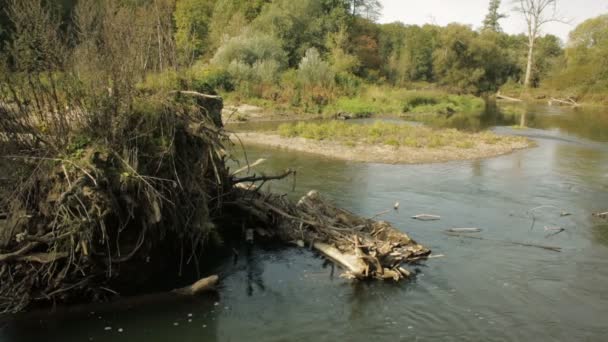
{"points": [[464, 230], [203, 285]]}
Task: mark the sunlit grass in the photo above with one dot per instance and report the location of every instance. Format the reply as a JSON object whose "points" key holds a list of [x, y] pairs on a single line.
{"points": [[382, 133]]}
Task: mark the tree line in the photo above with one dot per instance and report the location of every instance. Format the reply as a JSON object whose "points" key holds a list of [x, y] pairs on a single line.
{"points": [[267, 48]]}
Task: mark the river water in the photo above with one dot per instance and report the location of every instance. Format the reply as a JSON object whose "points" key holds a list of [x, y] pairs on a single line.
{"points": [[481, 290]]}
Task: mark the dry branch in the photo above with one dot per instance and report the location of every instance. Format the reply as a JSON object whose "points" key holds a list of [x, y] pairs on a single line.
{"points": [[507, 98], [365, 248], [196, 94], [563, 102], [550, 248]]}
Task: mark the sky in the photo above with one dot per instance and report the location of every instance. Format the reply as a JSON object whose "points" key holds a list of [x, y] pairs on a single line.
{"points": [[472, 12]]}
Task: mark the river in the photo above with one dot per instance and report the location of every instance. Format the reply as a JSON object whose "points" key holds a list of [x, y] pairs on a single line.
{"points": [[481, 290]]}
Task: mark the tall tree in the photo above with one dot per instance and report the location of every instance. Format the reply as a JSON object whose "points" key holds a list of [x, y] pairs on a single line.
{"points": [[492, 20], [536, 13]]}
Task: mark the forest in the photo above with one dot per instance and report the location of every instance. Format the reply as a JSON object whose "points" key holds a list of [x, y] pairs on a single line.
{"points": [[303, 56]]}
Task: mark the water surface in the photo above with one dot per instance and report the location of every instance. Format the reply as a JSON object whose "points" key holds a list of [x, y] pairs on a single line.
{"points": [[480, 290]]}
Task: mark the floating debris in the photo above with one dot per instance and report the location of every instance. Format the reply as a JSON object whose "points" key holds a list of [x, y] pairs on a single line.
{"points": [[426, 217], [464, 230], [365, 248], [107, 328], [601, 215]]}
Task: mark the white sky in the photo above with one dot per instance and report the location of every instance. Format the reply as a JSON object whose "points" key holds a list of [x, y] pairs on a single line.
{"points": [[472, 12]]}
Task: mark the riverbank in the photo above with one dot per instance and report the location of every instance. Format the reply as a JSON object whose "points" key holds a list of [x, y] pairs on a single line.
{"points": [[370, 101], [383, 153]]}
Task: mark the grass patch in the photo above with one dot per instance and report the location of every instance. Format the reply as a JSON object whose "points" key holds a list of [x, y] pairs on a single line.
{"points": [[438, 103], [391, 134]]}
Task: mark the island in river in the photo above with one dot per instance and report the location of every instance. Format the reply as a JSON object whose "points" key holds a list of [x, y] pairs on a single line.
{"points": [[386, 143]]}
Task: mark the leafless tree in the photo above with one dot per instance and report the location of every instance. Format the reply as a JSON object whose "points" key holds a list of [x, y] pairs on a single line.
{"points": [[537, 13]]}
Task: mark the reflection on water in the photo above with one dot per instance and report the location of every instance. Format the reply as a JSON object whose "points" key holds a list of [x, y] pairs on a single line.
{"points": [[585, 123], [480, 290]]}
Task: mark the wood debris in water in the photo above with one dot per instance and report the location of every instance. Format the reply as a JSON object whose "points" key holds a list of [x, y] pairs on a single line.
{"points": [[601, 215], [524, 244], [464, 230], [426, 217], [365, 248]]}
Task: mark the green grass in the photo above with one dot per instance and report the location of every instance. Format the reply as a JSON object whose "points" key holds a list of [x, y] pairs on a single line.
{"points": [[437, 103], [382, 100], [381, 133]]}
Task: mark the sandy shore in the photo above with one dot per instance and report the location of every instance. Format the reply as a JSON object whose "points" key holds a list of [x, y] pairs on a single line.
{"points": [[383, 153]]}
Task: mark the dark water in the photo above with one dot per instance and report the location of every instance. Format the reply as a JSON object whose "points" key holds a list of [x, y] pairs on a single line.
{"points": [[480, 291]]}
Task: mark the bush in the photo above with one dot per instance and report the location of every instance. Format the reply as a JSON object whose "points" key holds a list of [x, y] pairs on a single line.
{"points": [[250, 48], [314, 71], [213, 77]]}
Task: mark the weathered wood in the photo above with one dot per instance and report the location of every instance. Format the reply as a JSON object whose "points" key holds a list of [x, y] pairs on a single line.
{"points": [[203, 285], [350, 262], [249, 166], [363, 247], [507, 98], [564, 102]]}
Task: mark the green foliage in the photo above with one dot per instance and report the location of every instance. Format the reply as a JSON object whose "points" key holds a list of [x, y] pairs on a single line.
{"points": [[392, 134], [192, 27], [214, 77], [583, 71], [433, 103], [492, 19], [250, 48], [313, 71]]}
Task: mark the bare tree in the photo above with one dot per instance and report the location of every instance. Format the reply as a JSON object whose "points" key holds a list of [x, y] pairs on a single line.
{"points": [[537, 13]]}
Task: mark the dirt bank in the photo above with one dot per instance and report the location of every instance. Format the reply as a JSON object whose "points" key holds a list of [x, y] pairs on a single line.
{"points": [[385, 154]]}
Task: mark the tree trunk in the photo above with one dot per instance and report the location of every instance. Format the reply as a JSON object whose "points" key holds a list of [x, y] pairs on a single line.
{"points": [[529, 66]]}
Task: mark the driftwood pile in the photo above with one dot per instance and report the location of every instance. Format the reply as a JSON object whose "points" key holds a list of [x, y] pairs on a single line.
{"points": [[365, 248]]}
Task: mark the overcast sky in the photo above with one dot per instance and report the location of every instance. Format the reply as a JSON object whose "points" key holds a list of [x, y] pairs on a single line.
{"points": [[472, 12]]}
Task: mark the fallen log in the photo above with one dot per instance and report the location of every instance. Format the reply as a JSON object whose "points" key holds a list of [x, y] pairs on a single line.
{"points": [[365, 248], [563, 102], [203, 285], [550, 248], [507, 98]]}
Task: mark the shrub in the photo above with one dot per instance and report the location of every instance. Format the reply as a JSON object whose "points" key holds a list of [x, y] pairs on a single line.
{"points": [[314, 71]]}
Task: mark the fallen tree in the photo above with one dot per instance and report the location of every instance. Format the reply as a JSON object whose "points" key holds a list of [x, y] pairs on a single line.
{"points": [[365, 248]]}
